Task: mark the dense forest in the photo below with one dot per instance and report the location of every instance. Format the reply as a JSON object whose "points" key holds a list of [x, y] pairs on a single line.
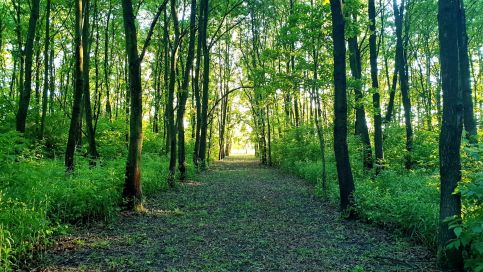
{"points": [[377, 105]]}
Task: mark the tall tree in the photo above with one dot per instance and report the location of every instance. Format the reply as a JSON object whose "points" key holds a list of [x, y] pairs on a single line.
{"points": [[403, 79], [132, 192], [171, 89], [206, 84], [361, 123], [184, 93], [344, 171], [132, 184], [46, 69], [24, 101], [86, 44], [375, 87], [465, 78], [74, 127], [450, 137]]}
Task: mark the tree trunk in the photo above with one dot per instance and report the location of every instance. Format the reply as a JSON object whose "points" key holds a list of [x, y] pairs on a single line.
{"points": [[86, 44], [206, 83], [403, 80], [78, 83], [341, 152], [107, 68], [46, 70], [465, 79], [361, 123], [27, 86], [196, 85], [375, 88], [170, 105], [184, 94], [132, 185], [450, 137]]}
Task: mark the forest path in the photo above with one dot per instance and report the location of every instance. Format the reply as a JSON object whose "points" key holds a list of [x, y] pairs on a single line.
{"points": [[238, 216]]}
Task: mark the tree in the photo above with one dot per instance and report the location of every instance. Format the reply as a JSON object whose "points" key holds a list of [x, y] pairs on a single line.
{"points": [[403, 79], [132, 192], [171, 89], [344, 171], [86, 44], [24, 101], [184, 93], [204, 7], [361, 122], [450, 136], [465, 79], [375, 87], [46, 69], [74, 127]]}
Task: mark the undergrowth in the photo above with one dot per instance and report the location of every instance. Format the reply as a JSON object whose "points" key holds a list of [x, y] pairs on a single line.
{"points": [[39, 199], [401, 200]]}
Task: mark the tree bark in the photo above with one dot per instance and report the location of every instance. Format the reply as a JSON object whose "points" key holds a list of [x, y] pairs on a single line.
{"points": [[46, 70], [450, 137], [341, 152], [184, 94], [86, 44], [361, 124], [403, 81], [107, 69], [206, 83], [78, 83], [132, 185], [465, 78], [376, 99], [27, 86], [170, 105]]}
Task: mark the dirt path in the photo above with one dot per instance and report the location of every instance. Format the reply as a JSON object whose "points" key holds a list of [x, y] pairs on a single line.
{"points": [[238, 216]]}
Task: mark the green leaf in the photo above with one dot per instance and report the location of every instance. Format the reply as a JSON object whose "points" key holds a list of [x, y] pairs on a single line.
{"points": [[458, 231]]}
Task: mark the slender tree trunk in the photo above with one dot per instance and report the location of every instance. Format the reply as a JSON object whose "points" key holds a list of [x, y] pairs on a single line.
{"points": [[206, 83], [197, 94], [86, 44], [27, 86], [376, 99], [392, 95], [184, 94], [107, 68], [403, 81], [46, 70], [450, 137], [361, 124], [132, 185], [341, 151], [465, 78], [170, 105], [78, 85]]}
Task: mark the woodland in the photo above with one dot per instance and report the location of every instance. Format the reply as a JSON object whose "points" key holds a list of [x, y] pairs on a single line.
{"points": [[320, 135]]}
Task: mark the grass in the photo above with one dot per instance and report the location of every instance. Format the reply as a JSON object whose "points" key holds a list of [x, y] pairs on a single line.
{"points": [[39, 199]]}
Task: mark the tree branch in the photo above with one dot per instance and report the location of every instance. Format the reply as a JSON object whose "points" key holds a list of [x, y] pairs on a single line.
{"points": [[151, 29], [225, 95]]}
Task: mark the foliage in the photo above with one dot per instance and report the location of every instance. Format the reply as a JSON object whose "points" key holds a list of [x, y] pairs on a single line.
{"points": [[395, 199], [469, 233], [38, 199]]}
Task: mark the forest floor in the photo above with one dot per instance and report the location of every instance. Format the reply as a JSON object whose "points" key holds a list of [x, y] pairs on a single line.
{"points": [[238, 216]]}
